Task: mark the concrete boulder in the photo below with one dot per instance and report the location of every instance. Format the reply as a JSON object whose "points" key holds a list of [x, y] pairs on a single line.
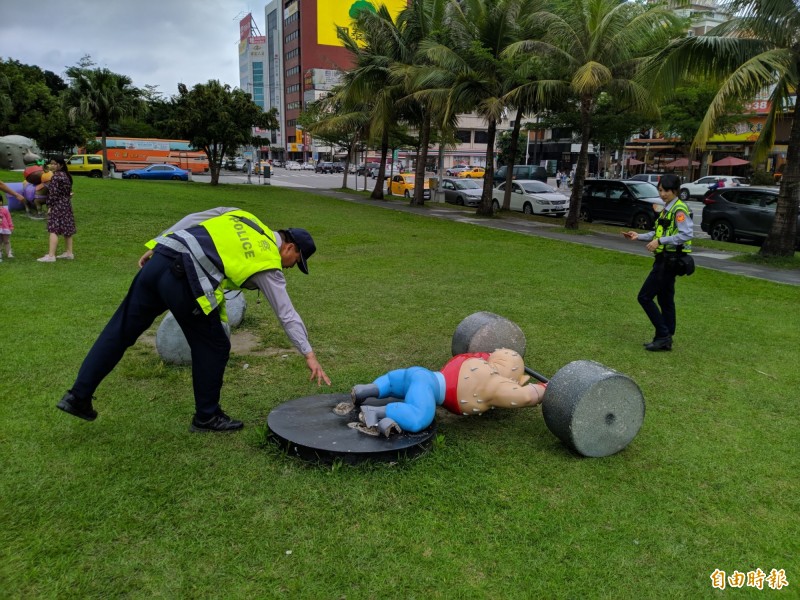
{"points": [[235, 305], [171, 344], [485, 332]]}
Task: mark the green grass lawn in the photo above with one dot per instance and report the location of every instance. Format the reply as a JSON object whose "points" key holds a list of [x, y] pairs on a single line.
{"points": [[133, 505]]}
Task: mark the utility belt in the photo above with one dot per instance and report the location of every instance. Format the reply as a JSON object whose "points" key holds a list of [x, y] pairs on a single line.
{"points": [[677, 262]]}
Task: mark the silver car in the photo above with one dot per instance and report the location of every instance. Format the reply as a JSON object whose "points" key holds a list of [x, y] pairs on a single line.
{"points": [[532, 197], [464, 192]]}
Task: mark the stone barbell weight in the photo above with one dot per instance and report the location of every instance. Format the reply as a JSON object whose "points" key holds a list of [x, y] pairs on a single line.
{"points": [[591, 408]]}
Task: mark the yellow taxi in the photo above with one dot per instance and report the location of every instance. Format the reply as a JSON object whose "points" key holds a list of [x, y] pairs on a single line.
{"points": [[403, 185], [473, 173]]}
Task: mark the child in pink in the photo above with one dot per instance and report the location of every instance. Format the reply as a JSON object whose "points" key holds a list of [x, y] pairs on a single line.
{"points": [[6, 227]]}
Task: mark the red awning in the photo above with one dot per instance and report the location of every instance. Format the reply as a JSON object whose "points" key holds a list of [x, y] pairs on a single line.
{"points": [[730, 161], [681, 162]]}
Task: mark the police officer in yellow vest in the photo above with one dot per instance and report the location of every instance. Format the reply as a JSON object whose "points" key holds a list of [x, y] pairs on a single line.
{"points": [[185, 270], [672, 235]]}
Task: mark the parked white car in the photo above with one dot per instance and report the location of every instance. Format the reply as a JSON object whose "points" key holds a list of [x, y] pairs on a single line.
{"points": [[699, 188], [307, 166], [292, 165], [532, 197]]}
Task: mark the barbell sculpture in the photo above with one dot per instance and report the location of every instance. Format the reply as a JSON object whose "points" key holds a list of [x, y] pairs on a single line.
{"points": [[593, 409]]}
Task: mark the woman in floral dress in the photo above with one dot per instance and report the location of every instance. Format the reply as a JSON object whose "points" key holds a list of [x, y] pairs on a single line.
{"points": [[61, 221]]}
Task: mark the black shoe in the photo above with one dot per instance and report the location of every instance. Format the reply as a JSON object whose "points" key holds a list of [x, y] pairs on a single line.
{"points": [[77, 407], [657, 344], [219, 422]]}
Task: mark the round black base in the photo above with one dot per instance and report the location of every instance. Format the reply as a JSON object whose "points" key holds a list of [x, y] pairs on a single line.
{"points": [[308, 428]]}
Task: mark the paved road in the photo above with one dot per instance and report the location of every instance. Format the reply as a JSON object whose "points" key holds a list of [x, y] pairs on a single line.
{"points": [[327, 184]]}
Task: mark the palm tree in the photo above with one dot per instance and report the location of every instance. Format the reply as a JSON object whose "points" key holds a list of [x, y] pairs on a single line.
{"points": [[423, 20], [375, 43], [595, 46], [102, 96], [759, 48], [346, 123], [474, 68]]}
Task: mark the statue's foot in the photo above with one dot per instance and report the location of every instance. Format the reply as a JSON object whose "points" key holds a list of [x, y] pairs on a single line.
{"points": [[363, 391], [388, 426], [370, 415]]}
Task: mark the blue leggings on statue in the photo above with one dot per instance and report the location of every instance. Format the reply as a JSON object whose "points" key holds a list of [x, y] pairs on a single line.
{"points": [[421, 390]]}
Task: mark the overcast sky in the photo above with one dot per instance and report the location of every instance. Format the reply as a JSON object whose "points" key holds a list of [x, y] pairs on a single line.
{"points": [[154, 42]]}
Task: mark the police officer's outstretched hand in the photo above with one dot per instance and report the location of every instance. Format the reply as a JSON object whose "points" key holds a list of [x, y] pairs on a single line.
{"points": [[631, 235], [316, 369]]}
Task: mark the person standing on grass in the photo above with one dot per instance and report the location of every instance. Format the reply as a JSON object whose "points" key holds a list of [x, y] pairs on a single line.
{"points": [[672, 235], [6, 224], [185, 271], [61, 220]]}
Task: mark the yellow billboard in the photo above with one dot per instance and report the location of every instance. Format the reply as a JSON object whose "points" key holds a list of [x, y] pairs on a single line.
{"points": [[331, 13]]}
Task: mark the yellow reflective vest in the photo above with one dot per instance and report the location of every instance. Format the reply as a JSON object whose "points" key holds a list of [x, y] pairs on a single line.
{"points": [[225, 251], [671, 228]]}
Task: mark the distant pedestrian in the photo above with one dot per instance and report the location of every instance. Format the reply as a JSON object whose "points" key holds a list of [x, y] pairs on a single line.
{"points": [[61, 220], [248, 167], [6, 224], [559, 175]]}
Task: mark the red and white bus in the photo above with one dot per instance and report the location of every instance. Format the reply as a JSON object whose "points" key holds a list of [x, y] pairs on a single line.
{"points": [[136, 153]]}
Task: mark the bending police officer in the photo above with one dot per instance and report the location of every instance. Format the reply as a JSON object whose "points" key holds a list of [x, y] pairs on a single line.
{"points": [[186, 270], [672, 236]]}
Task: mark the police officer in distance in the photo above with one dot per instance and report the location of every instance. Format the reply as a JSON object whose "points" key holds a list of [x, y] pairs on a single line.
{"points": [[185, 270], [672, 235]]}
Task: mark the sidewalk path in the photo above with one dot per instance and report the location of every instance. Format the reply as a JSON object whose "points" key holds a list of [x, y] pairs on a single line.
{"points": [[709, 259]]}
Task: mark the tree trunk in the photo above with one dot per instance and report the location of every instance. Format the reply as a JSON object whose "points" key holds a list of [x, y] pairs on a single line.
{"points": [[511, 159], [377, 193], [105, 154], [213, 166], [573, 217], [422, 161], [351, 150], [781, 238], [485, 207]]}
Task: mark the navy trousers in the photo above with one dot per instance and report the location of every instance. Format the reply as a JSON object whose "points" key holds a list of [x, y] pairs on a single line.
{"points": [[660, 285], [159, 287]]}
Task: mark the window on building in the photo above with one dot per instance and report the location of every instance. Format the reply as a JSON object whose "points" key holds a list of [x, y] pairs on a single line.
{"points": [[291, 122], [481, 137], [292, 36], [292, 71], [292, 105], [464, 136], [292, 18], [292, 89], [293, 53]]}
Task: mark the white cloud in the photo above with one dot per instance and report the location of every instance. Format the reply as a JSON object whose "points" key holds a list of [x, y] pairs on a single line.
{"points": [[154, 42]]}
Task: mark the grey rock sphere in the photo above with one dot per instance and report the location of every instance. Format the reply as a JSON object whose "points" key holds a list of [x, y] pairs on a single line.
{"points": [[171, 344]]}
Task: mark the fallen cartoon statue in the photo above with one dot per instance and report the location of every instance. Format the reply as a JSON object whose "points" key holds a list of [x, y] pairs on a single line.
{"points": [[469, 384]]}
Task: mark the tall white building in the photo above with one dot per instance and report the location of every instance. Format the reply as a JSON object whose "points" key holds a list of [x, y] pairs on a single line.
{"points": [[273, 72], [254, 71]]}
